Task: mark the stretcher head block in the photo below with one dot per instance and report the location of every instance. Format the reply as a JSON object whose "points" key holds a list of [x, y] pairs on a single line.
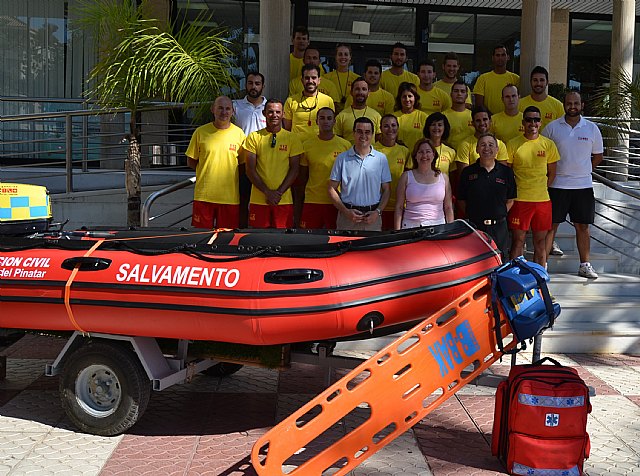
{"points": [[387, 394]]}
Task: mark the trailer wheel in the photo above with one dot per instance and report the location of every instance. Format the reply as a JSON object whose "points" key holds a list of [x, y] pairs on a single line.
{"points": [[222, 369], [104, 389]]}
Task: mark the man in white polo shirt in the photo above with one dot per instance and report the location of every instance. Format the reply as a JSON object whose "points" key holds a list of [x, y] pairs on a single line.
{"points": [[580, 145]]}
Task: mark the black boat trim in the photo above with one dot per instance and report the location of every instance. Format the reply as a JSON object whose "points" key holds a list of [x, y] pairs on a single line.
{"points": [[252, 312]]}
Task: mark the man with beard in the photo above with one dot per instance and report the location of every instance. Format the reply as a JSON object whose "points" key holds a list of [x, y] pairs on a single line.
{"points": [[214, 153], [300, 111], [273, 156], [467, 152], [396, 74], [580, 144], [358, 108], [550, 108], [320, 153], [533, 159], [249, 117], [432, 99], [312, 56], [450, 68], [488, 88], [379, 99]]}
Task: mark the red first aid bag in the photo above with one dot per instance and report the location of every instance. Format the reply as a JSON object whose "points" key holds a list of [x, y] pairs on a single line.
{"points": [[540, 420]]}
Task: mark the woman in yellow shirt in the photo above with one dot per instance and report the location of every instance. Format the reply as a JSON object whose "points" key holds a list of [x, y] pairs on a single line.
{"points": [[436, 130], [411, 119]]}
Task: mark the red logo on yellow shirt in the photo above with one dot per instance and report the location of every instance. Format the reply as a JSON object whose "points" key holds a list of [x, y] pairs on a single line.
{"points": [[417, 125], [283, 147], [335, 154], [400, 161], [548, 115], [233, 147], [436, 103], [381, 105], [542, 153]]}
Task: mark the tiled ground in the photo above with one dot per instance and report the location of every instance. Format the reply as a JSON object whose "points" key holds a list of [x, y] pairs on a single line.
{"points": [[208, 427]]}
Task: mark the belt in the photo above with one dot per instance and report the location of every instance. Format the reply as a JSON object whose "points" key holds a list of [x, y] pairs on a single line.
{"points": [[363, 209], [490, 222]]}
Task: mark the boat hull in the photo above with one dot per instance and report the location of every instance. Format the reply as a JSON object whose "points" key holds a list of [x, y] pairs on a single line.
{"points": [[312, 287]]}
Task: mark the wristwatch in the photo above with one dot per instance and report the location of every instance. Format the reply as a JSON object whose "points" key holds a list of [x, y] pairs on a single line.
{"points": [[379, 212]]}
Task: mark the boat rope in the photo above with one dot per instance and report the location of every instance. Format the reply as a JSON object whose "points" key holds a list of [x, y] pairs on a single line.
{"points": [[477, 232], [67, 289]]}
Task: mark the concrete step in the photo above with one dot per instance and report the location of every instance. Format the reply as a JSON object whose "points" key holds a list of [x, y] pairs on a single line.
{"points": [[569, 262], [593, 338], [570, 286]]}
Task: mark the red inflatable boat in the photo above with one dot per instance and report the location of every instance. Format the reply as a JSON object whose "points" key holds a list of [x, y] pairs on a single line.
{"points": [[250, 287]]}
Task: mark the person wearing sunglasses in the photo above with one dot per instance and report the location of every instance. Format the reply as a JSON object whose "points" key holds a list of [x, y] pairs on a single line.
{"points": [[533, 160], [300, 110], [273, 155]]}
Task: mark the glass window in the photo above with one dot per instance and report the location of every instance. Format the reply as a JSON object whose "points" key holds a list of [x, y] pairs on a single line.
{"points": [[494, 30], [590, 52], [452, 32]]}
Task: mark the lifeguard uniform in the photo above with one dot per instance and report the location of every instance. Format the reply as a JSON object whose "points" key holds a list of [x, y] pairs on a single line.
{"points": [[550, 108], [490, 85], [507, 127], [461, 127], [390, 82], [325, 87], [272, 165], [410, 127], [446, 161], [380, 100], [319, 155], [467, 153], [342, 82], [446, 87], [302, 111], [346, 119], [435, 100], [295, 66], [399, 158], [216, 196]]}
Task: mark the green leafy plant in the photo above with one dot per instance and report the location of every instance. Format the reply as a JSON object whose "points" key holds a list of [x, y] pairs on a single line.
{"points": [[141, 60]]}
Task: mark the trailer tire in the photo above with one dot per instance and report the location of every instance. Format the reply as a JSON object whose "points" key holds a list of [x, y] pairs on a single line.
{"points": [[222, 369], [103, 388]]}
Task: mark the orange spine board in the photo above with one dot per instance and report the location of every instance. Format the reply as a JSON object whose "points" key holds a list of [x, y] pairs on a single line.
{"points": [[400, 385]]}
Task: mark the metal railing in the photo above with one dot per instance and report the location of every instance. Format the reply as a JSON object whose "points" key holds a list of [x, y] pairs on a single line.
{"points": [[145, 212]]}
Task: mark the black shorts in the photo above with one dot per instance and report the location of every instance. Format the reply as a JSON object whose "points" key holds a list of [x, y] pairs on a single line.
{"points": [[579, 204]]}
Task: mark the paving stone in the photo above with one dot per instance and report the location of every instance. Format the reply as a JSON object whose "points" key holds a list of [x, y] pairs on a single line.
{"points": [[624, 378], [22, 372], [250, 379], [35, 346], [32, 411], [15, 446], [302, 378], [400, 457]]}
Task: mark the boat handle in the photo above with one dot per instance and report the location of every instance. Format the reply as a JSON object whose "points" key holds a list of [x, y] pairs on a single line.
{"points": [[293, 276], [86, 263]]}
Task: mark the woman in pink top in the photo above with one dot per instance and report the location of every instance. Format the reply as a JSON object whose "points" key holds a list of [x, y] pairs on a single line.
{"points": [[424, 193]]}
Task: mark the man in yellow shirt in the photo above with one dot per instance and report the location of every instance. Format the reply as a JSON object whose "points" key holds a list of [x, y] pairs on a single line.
{"points": [[300, 41], [273, 156], [450, 68], [533, 158], [508, 123], [300, 111], [358, 108], [396, 74], [312, 56], [214, 153], [320, 152], [379, 99], [488, 88], [467, 153], [341, 77], [550, 108], [459, 116], [432, 99]]}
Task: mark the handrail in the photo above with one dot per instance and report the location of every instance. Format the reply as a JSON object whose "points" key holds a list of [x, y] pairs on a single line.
{"points": [[146, 206], [615, 185]]}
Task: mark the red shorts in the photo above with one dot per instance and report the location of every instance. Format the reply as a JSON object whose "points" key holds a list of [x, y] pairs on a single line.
{"points": [[214, 215], [388, 217], [270, 216], [534, 215], [317, 216]]}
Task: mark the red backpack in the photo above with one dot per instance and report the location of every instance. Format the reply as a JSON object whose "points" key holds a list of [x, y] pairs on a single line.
{"points": [[540, 420]]}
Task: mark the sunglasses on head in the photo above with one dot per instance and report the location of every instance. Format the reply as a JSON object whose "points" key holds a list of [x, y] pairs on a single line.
{"points": [[273, 141], [532, 119]]}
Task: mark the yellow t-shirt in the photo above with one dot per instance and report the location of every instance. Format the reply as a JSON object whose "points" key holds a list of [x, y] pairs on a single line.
{"points": [[381, 100], [446, 159], [446, 87], [410, 127], [550, 108], [490, 86], [319, 155], [345, 120], [461, 127], [506, 127], [530, 159], [398, 157], [325, 87], [435, 100], [467, 151], [295, 66], [302, 112], [390, 82], [342, 82], [272, 164], [216, 151]]}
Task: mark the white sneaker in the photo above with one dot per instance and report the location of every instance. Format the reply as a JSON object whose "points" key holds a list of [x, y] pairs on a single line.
{"points": [[555, 250], [586, 271]]}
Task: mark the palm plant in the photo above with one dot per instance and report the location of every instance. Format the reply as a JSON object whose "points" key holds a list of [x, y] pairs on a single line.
{"points": [[141, 60]]}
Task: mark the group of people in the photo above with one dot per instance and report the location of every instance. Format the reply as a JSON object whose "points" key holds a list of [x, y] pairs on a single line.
{"points": [[392, 150]]}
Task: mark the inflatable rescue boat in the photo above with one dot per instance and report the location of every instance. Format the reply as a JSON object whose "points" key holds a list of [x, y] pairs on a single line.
{"points": [[248, 286]]}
